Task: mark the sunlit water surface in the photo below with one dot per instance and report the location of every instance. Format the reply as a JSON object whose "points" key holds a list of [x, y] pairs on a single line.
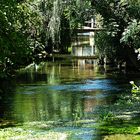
{"points": [[65, 92]]}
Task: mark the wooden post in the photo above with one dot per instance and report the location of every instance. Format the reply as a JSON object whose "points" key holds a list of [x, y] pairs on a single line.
{"points": [[92, 23]]}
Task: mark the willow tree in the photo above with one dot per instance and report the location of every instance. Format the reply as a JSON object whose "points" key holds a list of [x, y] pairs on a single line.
{"points": [[51, 13], [61, 17]]}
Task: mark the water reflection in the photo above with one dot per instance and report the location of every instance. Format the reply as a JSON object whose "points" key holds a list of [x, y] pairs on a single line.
{"points": [[55, 91], [60, 91], [48, 106]]}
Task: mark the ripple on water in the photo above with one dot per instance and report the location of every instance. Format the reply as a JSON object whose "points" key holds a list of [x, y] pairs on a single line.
{"points": [[89, 85], [97, 96]]}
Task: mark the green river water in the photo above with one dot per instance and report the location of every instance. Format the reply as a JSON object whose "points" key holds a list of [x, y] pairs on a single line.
{"points": [[54, 98]]}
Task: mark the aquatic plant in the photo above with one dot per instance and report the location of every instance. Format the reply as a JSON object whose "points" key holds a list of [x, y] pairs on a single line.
{"points": [[106, 116], [135, 88], [76, 118], [20, 133]]}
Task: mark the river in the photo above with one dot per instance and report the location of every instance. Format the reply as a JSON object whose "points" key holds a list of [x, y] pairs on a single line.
{"points": [[60, 100], [66, 93]]}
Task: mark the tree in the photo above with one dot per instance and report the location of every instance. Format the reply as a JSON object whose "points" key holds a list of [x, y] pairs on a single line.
{"points": [[61, 17], [118, 16], [105, 48], [19, 23], [29, 26]]}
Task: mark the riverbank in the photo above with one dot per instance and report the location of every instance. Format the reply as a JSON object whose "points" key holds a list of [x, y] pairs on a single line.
{"points": [[121, 119]]}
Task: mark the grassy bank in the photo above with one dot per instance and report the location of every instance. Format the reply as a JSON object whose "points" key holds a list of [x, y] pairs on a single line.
{"points": [[121, 119]]}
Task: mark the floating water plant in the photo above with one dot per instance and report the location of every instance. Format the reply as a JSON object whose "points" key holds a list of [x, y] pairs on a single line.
{"points": [[135, 88]]}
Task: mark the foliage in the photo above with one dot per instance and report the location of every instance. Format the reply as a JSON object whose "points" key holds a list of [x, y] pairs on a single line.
{"points": [[135, 88], [133, 8], [121, 20], [122, 137], [117, 129], [28, 27], [106, 117], [104, 44], [124, 111], [19, 30], [78, 11], [61, 18], [55, 20], [132, 32]]}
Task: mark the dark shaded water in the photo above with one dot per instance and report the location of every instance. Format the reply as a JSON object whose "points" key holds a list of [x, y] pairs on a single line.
{"points": [[63, 92]]}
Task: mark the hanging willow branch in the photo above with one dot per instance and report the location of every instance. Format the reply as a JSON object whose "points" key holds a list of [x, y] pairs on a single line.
{"points": [[55, 21]]}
